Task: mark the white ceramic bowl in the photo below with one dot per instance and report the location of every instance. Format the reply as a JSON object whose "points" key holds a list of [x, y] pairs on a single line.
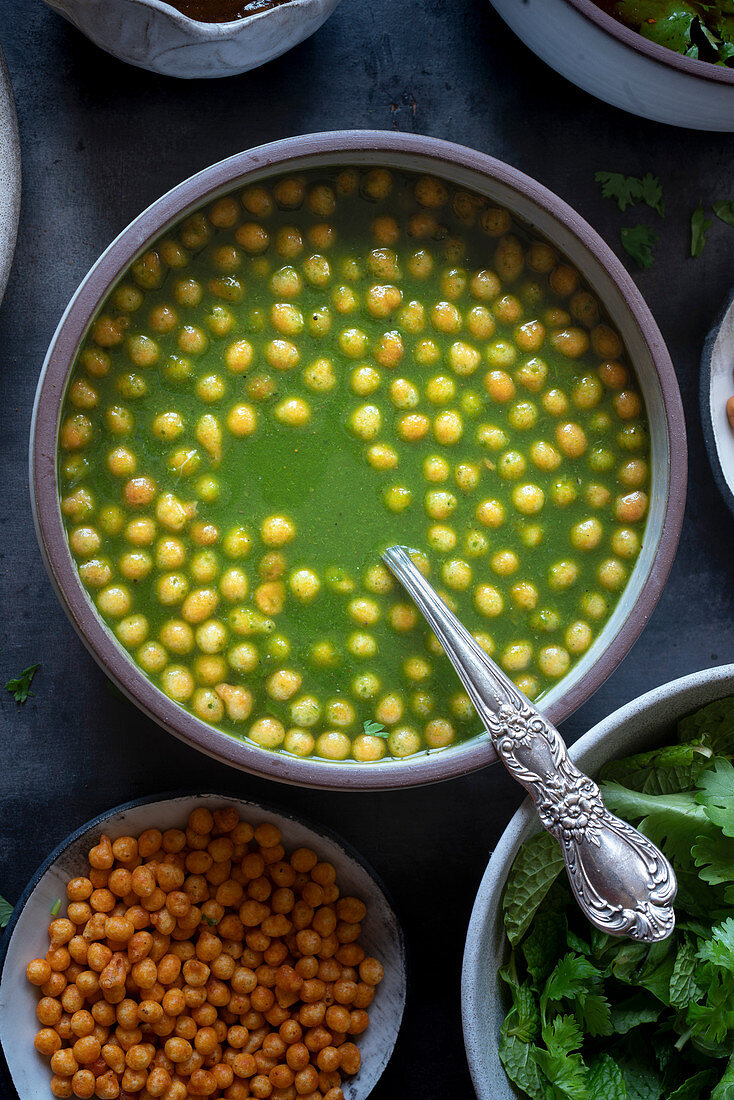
{"points": [[639, 725], [620, 66], [26, 935], [156, 36], [9, 175], [717, 386]]}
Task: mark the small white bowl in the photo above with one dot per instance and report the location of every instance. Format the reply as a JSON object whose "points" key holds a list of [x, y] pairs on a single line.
{"points": [[154, 35], [26, 935], [638, 726], [621, 66], [717, 386]]}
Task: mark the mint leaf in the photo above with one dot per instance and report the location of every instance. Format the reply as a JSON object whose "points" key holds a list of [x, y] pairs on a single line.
{"points": [[536, 867], [700, 226], [518, 1059], [725, 211], [716, 795], [712, 725], [638, 242], [20, 686], [668, 770], [605, 1081], [6, 910], [545, 941], [693, 1088], [638, 1009], [725, 1088], [683, 986]]}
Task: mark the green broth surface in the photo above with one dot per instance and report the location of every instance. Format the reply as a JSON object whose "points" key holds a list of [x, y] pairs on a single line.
{"points": [[307, 372]]}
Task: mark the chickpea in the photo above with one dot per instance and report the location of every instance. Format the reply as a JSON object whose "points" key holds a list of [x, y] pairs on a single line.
{"points": [[277, 530], [562, 574], [631, 507], [267, 732], [293, 411], [611, 574], [488, 600], [553, 660], [490, 513], [397, 498], [528, 499]]}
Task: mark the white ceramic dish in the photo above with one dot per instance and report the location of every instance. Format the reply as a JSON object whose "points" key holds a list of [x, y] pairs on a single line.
{"points": [[633, 728], [26, 937], [153, 35], [717, 386], [615, 63], [9, 175]]}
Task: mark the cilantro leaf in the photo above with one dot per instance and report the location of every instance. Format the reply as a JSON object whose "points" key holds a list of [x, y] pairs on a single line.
{"points": [[712, 726], [537, 866], [375, 729], [725, 211], [6, 910], [673, 820], [594, 1013], [20, 686], [560, 1064], [626, 190], [719, 948], [651, 193], [638, 242], [700, 226], [629, 190], [572, 975]]}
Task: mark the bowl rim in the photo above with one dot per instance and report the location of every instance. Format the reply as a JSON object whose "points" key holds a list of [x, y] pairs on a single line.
{"points": [[704, 393], [692, 66], [525, 816], [213, 30], [442, 157], [319, 831]]}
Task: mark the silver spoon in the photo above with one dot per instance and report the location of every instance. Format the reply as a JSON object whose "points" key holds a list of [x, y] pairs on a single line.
{"points": [[621, 881]]}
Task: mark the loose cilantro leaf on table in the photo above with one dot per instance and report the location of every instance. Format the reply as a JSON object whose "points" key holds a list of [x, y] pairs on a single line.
{"points": [[20, 686], [6, 910], [725, 211], [638, 242], [594, 1017], [629, 190], [700, 226]]}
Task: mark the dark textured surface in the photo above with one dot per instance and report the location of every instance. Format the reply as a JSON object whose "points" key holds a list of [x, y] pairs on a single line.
{"points": [[100, 141]]}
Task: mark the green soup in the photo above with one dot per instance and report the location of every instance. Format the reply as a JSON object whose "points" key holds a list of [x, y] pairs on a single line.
{"points": [[306, 372]]}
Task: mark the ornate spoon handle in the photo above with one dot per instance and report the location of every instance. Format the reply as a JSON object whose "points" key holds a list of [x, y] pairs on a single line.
{"points": [[621, 881]]}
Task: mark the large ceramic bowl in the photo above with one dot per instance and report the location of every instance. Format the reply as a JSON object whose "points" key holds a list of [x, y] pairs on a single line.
{"points": [[716, 387], [26, 935], [640, 725], [9, 175], [156, 36], [547, 215], [620, 66]]}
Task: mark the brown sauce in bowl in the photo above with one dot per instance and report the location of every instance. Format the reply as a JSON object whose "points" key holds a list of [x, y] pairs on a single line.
{"points": [[222, 11]]}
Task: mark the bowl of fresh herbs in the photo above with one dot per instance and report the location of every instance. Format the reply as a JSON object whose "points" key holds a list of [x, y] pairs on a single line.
{"points": [[553, 1008]]}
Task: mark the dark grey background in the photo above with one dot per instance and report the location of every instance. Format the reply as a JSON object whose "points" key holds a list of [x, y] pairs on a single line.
{"points": [[100, 141]]}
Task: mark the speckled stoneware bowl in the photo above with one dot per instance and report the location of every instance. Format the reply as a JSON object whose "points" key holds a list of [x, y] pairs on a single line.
{"points": [[26, 935], [9, 175], [156, 36], [716, 387], [547, 215], [620, 66], [641, 724]]}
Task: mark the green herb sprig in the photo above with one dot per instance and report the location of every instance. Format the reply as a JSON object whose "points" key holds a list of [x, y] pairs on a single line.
{"points": [[594, 1017], [20, 686]]}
